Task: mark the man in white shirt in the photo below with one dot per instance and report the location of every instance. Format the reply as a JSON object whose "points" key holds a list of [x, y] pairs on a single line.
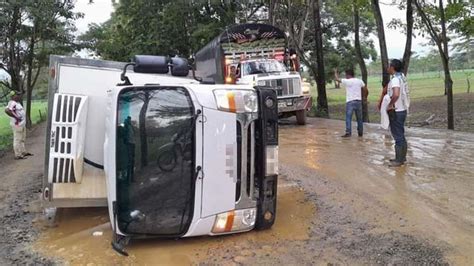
{"points": [[354, 87], [397, 110], [18, 123]]}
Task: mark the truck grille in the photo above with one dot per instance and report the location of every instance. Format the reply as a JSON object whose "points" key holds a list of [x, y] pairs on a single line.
{"points": [[245, 187], [284, 87], [67, 138]]}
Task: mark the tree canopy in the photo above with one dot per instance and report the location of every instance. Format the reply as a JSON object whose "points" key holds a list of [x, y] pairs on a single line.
{"points": [[31, 30]]}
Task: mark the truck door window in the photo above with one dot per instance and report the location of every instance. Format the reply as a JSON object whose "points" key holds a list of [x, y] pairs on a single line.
{"points": [[155, 161]]}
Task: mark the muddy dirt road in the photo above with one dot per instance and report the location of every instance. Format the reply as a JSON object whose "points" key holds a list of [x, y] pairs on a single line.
{"points": [[338, 203]]}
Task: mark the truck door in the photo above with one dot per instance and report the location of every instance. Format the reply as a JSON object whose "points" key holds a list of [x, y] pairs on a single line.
{"points": [[219, 162]]}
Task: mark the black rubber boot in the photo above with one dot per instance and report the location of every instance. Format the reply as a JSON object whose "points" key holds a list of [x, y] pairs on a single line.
{"points": [[394, 159], [404, 153], [398, 157], [404, 149]]}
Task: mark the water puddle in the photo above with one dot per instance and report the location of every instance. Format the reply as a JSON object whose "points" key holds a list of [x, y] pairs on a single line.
{"points": [[72, 240]]}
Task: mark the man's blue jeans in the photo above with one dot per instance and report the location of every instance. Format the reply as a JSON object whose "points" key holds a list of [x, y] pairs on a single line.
{"points": [[351, 107], [397, 127]]}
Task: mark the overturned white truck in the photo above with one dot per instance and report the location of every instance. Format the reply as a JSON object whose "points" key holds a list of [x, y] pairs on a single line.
{"points": [[169, 155], [256, 54]]}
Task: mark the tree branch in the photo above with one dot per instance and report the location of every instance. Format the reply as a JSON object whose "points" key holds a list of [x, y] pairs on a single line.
{"points": [[444, 37], [254, 11], [427, 22], [36, 76]]}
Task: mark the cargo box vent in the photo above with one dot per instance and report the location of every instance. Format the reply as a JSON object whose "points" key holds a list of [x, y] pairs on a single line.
{"points": [[66, 150]]}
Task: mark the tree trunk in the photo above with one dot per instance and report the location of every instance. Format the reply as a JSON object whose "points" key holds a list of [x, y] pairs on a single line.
{"points": [[381, 36], [442, 44], [448, 85], [448, 82], [271, 12], [29, 78], [322, 107], [407, 53], [303, 26], [360, 59], [13, 66], [468, 84]]}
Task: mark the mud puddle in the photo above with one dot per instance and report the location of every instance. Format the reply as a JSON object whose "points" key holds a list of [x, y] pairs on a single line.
{"points": [[73, 239]]}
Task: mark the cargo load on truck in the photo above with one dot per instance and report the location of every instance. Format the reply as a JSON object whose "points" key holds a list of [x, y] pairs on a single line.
{"points": [[168, 155], [256, 54]]}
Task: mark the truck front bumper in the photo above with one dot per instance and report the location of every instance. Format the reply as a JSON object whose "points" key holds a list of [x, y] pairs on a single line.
{"points": [[292, 104]]}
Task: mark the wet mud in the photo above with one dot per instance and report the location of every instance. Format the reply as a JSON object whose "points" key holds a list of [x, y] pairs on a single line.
{"points": [[20, 184], [73, 239], [428, 200]]}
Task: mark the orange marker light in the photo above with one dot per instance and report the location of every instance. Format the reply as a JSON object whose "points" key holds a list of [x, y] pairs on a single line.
{"points": [[230, 221], [231, 99]]}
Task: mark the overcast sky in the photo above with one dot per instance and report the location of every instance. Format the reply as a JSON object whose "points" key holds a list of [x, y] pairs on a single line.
{"points": [[101, 9]]}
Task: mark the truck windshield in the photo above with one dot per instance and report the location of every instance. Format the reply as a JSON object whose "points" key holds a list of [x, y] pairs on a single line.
{"points": [[262, 66], [155, 161]]}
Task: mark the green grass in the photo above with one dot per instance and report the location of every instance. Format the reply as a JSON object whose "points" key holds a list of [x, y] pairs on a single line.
{"points": [[421, 86], [5, 130]]}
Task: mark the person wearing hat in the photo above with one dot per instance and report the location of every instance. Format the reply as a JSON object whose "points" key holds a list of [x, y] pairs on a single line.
{"points": [[17, 116]]}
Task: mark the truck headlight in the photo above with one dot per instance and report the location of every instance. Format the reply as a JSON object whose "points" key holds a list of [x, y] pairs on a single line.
{"points": [[236, 101], [272, 160], [261, 83], [234, 221]]}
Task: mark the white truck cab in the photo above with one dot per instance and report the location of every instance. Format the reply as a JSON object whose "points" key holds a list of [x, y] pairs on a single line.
{"points": [[168, 155]]}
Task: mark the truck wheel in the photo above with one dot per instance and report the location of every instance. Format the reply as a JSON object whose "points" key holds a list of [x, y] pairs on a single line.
{"points": [[301, 117], [167, 160]]}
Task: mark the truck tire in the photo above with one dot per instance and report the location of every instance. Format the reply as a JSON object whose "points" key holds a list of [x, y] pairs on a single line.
{"points": [[301, 117], [168, 160]]}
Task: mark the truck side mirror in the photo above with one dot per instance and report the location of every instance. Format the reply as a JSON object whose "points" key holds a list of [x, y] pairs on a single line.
{"points": [[150, 64], [179, 67]]}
